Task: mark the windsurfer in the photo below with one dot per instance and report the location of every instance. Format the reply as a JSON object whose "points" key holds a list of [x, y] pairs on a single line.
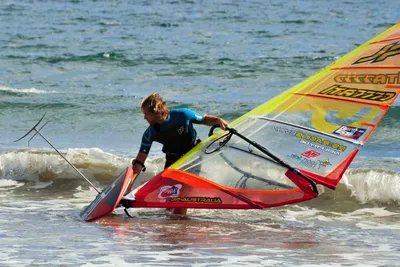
{"points": [[173, 129]]}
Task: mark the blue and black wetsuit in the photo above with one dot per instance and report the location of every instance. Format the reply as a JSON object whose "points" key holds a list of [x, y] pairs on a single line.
{"points": [[176, 134]]}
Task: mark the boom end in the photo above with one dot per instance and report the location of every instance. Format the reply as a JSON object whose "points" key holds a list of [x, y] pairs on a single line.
{"points": [[33, 129]]}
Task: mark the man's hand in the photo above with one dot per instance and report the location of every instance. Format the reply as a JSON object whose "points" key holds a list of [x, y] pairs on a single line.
{"points": [[212, 120]]}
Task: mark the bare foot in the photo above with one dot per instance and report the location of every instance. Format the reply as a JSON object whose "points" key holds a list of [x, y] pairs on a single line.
{"points": [[177, 212]]}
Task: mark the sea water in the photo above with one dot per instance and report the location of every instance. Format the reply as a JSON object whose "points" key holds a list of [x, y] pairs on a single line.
{"points": [[88, 64]]}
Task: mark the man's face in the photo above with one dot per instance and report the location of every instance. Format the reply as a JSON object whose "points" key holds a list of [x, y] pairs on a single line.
{"points": [[151, 118]]}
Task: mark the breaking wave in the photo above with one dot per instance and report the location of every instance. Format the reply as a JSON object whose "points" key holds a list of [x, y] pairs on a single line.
{"points": [[21, 170]]}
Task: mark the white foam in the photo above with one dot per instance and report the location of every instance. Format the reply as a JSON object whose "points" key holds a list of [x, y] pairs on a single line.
{"points": [[110, 260], [374, 226], [6, 184], [26, 91], [31, 164], [377, 212], [374, 185], [40, 185], [85, 194]]}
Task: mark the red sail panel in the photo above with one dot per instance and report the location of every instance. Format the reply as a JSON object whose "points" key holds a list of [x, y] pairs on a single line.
{"points": [[180, 189]]}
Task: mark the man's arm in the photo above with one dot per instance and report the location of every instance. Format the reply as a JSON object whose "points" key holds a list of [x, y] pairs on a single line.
{"points": [[137, 168], [210, 120]]}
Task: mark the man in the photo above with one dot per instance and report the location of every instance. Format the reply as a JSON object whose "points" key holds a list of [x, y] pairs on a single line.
{"points": [[173, 129]]}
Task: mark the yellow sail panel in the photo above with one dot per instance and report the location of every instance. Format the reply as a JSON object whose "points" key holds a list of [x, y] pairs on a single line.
{"points": [[326, 115]]}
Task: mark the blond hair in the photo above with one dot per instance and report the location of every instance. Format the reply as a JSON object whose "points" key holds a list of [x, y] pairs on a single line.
{"points": [[155, 104]]}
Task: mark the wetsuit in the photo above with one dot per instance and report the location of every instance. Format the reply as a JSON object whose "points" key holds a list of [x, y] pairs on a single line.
{"points": [[176, 134]]}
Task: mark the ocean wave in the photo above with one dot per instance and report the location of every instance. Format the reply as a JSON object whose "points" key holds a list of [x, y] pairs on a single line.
{"points": [[359, 189], [102, 57], [374, 185], [8, 91], [33, 166], [9, 106], [191, 65], [37, 169]]}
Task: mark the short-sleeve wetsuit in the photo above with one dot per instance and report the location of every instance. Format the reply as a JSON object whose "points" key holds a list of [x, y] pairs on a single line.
{"points": [[176, 134]]}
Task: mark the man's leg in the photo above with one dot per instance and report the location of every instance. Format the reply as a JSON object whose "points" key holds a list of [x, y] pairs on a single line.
{"points": [[169, 160]]}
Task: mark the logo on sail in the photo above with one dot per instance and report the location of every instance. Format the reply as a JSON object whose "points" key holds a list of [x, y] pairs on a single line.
{"points": [[373, 95], [324, 143], [310, 163], [389, 50], [350, 132], [196, 199], [370, 78], [310, 153], [169, 191]]}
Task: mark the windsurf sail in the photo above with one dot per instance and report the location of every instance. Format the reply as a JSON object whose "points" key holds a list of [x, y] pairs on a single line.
{"points": [[305, 136], [276, 154]]}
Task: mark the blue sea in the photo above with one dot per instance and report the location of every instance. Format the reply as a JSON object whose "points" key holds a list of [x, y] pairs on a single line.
{"points": [[88, 64]]}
